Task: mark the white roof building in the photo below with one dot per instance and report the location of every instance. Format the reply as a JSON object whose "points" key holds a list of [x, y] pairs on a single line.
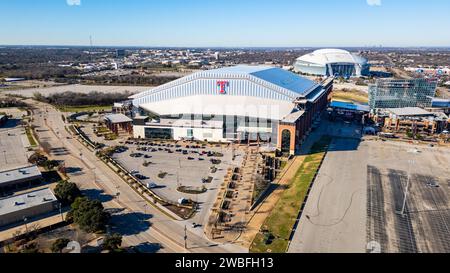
{"points": [[332, 62], [254, 91], [232, 103]]}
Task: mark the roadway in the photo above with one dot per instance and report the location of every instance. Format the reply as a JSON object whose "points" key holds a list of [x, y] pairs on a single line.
{"points": [[334, 218], [139, 222]]}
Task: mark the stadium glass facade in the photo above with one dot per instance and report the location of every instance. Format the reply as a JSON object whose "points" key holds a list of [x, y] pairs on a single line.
{"points": [[392, 93]]}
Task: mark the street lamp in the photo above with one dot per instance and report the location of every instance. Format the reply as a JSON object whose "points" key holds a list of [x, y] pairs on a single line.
{"points": [[26, 227], [402, 213], [60, 211]]}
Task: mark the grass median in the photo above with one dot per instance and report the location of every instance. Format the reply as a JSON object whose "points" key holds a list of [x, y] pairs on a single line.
{"points": [[276, 230], [30, 136]]}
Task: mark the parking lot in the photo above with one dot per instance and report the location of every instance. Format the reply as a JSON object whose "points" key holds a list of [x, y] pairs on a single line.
{"points": [[425, 225], [171, 165], [359, 192], [13, 142]]}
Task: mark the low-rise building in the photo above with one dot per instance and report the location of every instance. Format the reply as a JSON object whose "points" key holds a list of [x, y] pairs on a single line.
{"points": [[441, 105], [19, 178], [119, 124], [411, 119], [26, 206]]}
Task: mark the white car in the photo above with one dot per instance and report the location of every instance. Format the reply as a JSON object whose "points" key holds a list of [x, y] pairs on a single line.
{"points": [[151, 185]]}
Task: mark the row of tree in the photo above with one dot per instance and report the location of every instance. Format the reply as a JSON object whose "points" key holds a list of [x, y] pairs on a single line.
{"points": [[82, 99]]}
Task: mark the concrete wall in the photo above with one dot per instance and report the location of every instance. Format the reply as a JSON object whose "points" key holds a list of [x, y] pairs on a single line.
{"points": [[213, 135], [17, 216]]}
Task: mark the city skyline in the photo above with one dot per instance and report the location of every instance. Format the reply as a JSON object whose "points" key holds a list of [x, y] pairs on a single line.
{"points": [[232, 23]]}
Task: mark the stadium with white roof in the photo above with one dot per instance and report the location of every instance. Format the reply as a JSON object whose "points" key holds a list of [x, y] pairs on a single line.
{"points": [[241, 103], [332, 62]]}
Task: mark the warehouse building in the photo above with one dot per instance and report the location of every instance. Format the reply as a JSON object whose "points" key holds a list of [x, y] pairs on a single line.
{"points": [[26, 206], [332, 62], [241, 103]]}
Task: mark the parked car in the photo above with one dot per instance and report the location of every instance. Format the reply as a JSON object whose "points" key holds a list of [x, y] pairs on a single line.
{"points": [[151, 185]]}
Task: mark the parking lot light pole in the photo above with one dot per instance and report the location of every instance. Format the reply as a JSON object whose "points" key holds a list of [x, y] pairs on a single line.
{"points": [[411, 162], [60, 211], [26, 226]]}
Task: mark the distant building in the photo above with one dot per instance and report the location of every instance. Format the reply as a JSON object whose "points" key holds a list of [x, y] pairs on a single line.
{"points": [[120, 53], [394, 93], [442, 105], [119, 124], [14, 179], [23, 207], [332, 62]]}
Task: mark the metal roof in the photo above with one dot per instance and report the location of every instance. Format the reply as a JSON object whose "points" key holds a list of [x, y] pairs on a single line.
{"points": [[409, 111], [293, 117], [25, 201], [441, 103], [273, 75], [20, 174], [255, 81], [350, 106], [222, 106], [117, 118]]}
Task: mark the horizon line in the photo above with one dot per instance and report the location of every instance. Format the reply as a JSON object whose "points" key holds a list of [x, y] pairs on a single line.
{"points": [[215, 47]]}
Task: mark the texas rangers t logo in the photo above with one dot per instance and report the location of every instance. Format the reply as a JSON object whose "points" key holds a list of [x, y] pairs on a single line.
{"points": [[222, 86]]}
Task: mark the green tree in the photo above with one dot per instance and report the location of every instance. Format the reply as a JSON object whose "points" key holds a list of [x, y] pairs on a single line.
{"points": [[112, 243], [67, 192], [59, 245], [31, 247], [89, 214]]}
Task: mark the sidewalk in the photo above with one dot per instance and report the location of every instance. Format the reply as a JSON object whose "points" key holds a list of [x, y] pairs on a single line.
{"points": [[37, 224], [265, 208]]}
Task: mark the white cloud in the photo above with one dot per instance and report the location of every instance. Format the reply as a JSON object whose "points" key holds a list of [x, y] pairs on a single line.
{"points": [[74, 2], [374, 2]]}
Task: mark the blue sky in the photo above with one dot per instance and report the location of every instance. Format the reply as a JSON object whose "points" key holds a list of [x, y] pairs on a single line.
{"points": [[210, 23]]}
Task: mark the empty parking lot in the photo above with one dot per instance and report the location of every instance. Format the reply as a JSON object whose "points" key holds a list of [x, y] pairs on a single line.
{"points": [[359, 193]]}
